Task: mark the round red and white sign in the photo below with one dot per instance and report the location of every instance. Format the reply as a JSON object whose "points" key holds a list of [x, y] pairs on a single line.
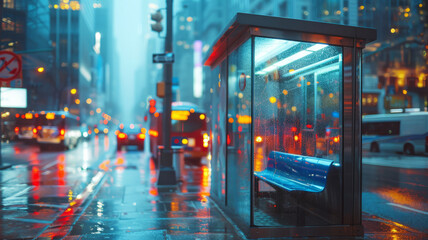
{"points": [[10, 66]]}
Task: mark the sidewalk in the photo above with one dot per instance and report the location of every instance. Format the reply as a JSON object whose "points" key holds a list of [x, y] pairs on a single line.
{"points": [[129, 206]]}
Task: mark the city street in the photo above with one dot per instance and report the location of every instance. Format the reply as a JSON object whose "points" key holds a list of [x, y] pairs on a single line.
{"points": [[95, 191], [395, 188]]}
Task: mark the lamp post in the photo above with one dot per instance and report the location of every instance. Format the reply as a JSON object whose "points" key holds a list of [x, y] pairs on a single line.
{"points": [[166, 170]]}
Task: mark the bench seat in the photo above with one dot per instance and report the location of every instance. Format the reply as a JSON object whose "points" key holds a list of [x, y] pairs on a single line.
{"points": [[292, 172]]}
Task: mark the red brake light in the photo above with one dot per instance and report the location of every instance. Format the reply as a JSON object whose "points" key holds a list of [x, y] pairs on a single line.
{"points": [[141, 136], [62, 132], [121, 136]]}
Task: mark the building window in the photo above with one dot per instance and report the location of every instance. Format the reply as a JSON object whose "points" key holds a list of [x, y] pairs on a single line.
{"points": [[283, 9]]}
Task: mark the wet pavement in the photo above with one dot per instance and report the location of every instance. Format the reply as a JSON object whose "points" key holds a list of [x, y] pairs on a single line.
{"points": [[94, 192]]}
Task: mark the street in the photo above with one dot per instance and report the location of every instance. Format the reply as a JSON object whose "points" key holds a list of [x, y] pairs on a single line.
{"points": [[395, 188], [93, 189]]}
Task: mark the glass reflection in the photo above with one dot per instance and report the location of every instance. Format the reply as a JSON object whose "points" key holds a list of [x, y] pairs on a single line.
{"points": [[297, 132]]}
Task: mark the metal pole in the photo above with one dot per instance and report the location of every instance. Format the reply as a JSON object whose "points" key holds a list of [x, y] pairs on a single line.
{"points": [[166, 171], [68, 57], [57, 43]]}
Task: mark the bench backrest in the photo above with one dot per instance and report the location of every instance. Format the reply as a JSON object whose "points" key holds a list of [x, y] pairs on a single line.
{"points": [[305, 169]]}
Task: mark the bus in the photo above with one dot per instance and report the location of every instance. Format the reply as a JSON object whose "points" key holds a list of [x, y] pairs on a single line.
{"points": [[57, 128], [25, 127], [188, 129], [401, 132]]}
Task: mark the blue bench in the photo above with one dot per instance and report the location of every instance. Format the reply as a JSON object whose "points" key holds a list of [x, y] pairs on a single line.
{"points": [[310, 184], [295, 172]]}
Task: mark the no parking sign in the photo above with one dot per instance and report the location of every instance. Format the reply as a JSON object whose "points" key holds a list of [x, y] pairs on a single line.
{"points": [[10, 68]]}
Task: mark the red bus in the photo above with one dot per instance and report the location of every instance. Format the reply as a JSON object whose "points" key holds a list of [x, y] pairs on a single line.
{"points": [[188, 129]]}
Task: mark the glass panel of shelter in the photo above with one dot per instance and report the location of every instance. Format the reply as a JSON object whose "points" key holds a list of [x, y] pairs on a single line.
{"points": [[297, 132]]}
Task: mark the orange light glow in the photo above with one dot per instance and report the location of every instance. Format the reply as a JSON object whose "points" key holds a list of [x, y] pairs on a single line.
{"points": [[50, 116], [259, 139], [336, 139], [40, 69], [17, 115], [244, 119], [180, 115], [77, 101], [202, 116], [35, 130], [143, 130], [16, 130], [105, 130], [73, 91], [116, 132], [230, 120], [156, 114], [141, 136], [296, 138], [62, 132], [153, 133], [121, 136], [28, 116]]}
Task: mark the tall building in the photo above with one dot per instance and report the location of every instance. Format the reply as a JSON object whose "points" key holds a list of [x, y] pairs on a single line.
{"points": [[396, 64]]}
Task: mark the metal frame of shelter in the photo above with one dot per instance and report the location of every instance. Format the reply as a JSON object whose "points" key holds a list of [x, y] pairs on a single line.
{"points": [[245, 28]]}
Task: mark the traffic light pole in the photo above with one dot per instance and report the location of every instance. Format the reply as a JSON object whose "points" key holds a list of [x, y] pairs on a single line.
{"points": [[166, 170]]}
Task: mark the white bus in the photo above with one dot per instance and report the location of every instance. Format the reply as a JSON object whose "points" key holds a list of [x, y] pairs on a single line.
{"points": [[401, 132]]}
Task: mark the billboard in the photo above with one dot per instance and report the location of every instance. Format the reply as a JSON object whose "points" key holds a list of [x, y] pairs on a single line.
{"points": [[13, 97]]}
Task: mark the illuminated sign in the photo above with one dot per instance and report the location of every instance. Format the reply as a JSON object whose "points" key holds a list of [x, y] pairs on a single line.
{"points": [[180, 115], [13, 97]]}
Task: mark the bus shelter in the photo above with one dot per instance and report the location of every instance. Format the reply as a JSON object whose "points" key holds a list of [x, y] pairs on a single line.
{"points": [[285, 126]]}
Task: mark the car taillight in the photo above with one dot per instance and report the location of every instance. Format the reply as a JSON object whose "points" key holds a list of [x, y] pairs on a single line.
{"points": [[35, 130], [141, 136], [121, 136], [62, 132], [206, 139], [16, 129]]}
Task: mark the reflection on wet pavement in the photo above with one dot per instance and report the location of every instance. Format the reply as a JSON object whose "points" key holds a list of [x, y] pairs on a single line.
{"points": [[129, 205], [36, 193]]}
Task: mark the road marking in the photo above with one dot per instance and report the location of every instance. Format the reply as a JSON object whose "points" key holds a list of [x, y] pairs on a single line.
{"points": [[30, 220], [18, 193], [49, 205], [50, 164], [408, 208]]}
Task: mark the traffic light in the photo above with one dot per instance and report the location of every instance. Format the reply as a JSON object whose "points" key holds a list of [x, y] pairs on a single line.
{"points": [[152, 106], [157, 17]]}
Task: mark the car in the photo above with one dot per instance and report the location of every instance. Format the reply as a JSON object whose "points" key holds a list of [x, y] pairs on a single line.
{"points": [[129, 135]]}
